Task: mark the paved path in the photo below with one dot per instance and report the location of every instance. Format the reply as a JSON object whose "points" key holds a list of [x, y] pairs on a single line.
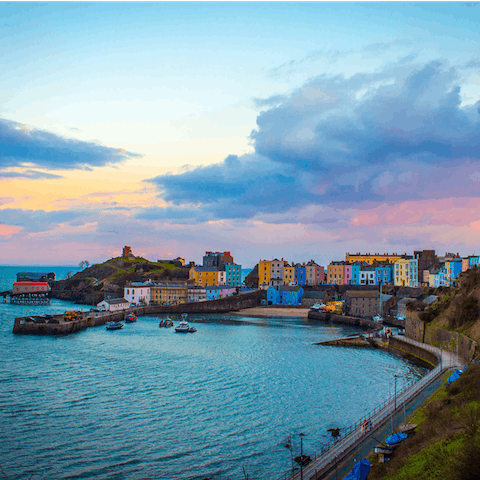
{"points": [[355, 443]]}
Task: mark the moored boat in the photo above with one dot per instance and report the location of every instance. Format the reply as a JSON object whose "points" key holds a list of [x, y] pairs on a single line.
{"points": [[382, 449], [130, 318], [407, 427], [166, 323], [114, 325], [182, 327]]}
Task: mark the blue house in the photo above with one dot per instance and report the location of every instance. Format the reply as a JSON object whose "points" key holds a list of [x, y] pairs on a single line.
{"points": [[273, 296], [356, 273], [285, 295], [233, 274], [300, 274], [473, 261], [383, 274]]}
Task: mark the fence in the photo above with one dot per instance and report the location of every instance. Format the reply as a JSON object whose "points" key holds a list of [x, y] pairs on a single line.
{"points": [[329, 454]]}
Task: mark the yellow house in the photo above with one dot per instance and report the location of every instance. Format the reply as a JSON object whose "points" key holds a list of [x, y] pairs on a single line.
{"points": [[172, 294], [264, 271], [371, 257], [335, 273], [401, 272], [288, 274], [204, 276]]}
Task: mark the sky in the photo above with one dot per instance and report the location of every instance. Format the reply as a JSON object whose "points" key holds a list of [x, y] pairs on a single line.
{"points": [[295, 130]]}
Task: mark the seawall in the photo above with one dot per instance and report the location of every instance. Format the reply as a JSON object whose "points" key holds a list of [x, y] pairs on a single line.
{"points": [[94, 319], [344, 319]]}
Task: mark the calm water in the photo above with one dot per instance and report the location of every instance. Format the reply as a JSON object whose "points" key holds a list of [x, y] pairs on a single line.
{"points": [[146, 403]]}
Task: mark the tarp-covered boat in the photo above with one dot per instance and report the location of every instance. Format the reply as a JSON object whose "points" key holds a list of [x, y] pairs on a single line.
{"points": [[395, 438], [360, 470]]}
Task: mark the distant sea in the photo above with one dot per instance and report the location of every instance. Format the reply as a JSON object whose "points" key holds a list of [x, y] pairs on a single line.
{"points": [[245, 272], [147, 403]]}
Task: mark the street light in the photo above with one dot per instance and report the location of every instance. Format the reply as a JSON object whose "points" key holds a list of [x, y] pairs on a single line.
{"points": [[301, 435], [395, 376]]}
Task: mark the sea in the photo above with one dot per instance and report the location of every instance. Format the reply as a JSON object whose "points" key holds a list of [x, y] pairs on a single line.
{"points": [[147, 403]]}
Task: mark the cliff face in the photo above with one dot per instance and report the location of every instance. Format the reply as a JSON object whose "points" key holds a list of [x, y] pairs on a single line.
{"points": [[90, 285]]}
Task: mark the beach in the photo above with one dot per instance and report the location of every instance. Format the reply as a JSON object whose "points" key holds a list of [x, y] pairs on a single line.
{"points": [[272, 312]]}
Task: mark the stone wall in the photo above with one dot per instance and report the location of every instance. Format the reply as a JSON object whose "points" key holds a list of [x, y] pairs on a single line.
{"points": [[344, 319], [414, 327], [416, 354], [222, 305], [417, 330]]}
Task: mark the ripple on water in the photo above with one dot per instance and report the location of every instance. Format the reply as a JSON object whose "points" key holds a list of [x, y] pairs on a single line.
{"points": [[151, 404]]}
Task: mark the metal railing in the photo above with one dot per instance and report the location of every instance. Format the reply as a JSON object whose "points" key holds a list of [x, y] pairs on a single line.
{"points": [[335, 449]]}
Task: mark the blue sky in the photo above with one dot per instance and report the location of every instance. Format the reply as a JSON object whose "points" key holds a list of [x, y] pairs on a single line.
{"points": [[275, 129]]}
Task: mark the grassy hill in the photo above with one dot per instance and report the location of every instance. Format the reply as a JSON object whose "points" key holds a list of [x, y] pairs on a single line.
{"points": [[89, 285]]}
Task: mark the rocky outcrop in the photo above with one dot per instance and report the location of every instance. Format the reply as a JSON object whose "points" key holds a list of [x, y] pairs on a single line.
{"points": [[91, 285]]}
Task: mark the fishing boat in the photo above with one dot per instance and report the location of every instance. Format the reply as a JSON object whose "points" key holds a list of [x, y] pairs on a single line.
{"points": [[131, 318], [114, 325], [318, 307]]}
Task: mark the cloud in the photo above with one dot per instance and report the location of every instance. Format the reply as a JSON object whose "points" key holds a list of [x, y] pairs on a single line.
{"points": [[372, 138], [39, 220], [30, 174], [20, 145]]}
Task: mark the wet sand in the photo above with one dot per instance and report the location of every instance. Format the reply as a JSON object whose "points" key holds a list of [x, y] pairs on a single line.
{"points": [[272, 312]]}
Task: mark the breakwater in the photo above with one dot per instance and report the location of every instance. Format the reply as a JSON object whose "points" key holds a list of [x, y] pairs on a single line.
{"points": [[364, 323], [23, 325]]}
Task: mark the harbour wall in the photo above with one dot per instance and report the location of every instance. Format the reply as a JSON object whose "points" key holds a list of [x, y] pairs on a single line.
{"points": [[95, 319], [344, 319]]}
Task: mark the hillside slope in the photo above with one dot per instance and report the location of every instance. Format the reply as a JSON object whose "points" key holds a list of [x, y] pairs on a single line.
{"points": [[458, 308], [90, 285]]}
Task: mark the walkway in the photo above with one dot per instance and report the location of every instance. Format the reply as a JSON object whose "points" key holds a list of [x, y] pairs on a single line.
{"points": [[353, 437]]}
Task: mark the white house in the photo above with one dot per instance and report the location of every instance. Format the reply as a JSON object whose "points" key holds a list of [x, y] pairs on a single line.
{"points": [[114, 304], [137, 293]]}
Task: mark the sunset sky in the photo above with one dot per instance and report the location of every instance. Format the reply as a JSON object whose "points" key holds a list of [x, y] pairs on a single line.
{"points": [[295, 130]]}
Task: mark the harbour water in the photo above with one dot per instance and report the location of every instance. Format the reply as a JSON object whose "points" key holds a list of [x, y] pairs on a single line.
{"points": [[147, 403]]}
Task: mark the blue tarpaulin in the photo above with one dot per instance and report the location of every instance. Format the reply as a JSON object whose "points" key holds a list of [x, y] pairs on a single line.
{"points": [[454, 376], [396, 438], [360, 470]]}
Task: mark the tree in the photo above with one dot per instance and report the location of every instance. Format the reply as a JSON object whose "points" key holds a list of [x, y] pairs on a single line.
{"points": [[84, 264]]}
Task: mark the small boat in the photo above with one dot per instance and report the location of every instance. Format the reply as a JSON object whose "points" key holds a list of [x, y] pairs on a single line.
{"points": [[407, 427], [382, 449], [318, 306], [395, 438], [378, 318], [131, 318], [191, 329], [166, 323], [114, 325], [182, 327]]}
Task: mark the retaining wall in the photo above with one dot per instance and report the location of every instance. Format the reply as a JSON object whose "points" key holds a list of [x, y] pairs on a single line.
{"points": [[344, 319]]}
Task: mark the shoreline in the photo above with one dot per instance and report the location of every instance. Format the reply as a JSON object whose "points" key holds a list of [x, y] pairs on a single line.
{"points": [[272, 312]]}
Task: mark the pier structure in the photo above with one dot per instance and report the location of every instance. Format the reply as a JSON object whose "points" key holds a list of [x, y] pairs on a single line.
{"points": [[25, 298], [323, 462]]}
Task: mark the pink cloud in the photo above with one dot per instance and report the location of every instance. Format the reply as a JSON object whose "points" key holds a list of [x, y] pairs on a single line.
{"points": [[9, 230], [456, 212]]}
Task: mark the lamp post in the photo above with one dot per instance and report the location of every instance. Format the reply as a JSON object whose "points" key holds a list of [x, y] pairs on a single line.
{"points": [[395, 377], [301, 435]]}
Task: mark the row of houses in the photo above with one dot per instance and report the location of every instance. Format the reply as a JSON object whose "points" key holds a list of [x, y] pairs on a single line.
{"points": [[147, 293], [218, 268], [423, 268], [358, 303]]}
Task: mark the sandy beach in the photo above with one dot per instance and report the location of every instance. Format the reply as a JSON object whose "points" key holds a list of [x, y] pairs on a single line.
{"points": [[272, 312]]}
